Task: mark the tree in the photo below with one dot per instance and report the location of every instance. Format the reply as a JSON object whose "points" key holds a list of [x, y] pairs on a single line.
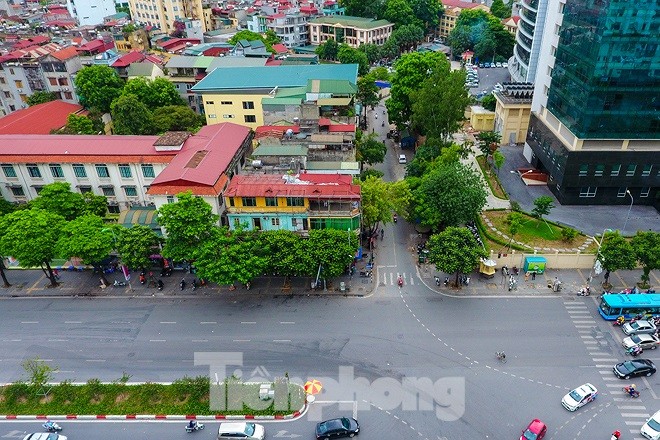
{"points": [[97, 86], [438, 108], [154, 94], [542, 206], [489, 102], [482, 32], [78, 124], [328, 50], [40, 374], [450, 195], [488, 140], [400, 13], [500, 10], [372, 51], [428, 12], [95, 205], [615, 252], [349, 55], [369, 150], [390, 49], [486, 47], [31, 236], [455, 250], [135, 245], [87, 238], [498, 161], [285, 249], [6, 207], [647, 250], [179, 29], [331, 249], [177, 118], [58, 198], [514, 221], [367, 93], [411, 70], [39, 97], [131, 117], [377, 206], [188, 222], [407, 36], [360, 8]]}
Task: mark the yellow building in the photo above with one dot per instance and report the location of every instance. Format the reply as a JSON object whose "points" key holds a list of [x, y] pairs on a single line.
{"points": [[354, 31], [235, 94], [511, 24], [453, 9], [512, 112], [482, 119], [163, 13]]}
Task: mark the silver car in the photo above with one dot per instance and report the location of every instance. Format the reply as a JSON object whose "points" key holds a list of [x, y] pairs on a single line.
{"points": [[241, 430], [647, 342], [638, 327]]}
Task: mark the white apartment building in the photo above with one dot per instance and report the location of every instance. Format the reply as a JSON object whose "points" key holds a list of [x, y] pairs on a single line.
{"points": [[163, 13], [90, 12]]}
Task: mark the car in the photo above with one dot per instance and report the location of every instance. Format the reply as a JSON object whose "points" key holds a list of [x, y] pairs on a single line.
{"points": [[402, 158], [44, 436], [651, 429], [481, 65], [505, 64], [536, 430], [647, 342], [486, 65], [241, 430], [633, 368], [498, 64], [637, 327], [579, 397], [339, 427]]}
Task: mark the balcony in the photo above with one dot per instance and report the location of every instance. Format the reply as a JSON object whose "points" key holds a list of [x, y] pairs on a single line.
{"points": [[333, 208]]}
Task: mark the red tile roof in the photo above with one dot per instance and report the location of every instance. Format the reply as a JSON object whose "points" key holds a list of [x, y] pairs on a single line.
{"points": [[314, 186], [202, 161], [274, 130], [91, 46], [459, 4], [128, 59], [38, 119], [280, 48], [342, 128], [66, 53], [34, 41]]}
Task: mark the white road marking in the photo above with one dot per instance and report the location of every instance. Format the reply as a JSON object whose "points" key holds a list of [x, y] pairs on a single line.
{"points": [[29, 322], [248, 322], [73, 322], [168, 322], [208, 322]]}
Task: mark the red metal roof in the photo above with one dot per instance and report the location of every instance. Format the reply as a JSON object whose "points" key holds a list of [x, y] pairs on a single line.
{"points": [[33, 41], [324, 122], [91, 46], [38, 119], [314, 186], [66, 53], [203, 160], [280, 48], [459, 4], [342, 128], [128, 59]]}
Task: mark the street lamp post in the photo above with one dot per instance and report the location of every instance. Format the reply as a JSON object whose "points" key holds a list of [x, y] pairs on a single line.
{"points": [[632, 200]]}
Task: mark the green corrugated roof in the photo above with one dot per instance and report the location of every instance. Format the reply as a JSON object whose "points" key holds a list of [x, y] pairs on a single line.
{"points": [[340, 87], [141, 69], [293, 91], [347, 20], [280, 150]]}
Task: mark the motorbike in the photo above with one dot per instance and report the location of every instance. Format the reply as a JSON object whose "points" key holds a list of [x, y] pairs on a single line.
{"points": [[585, 291], [195, 427], [395, 218], [194, 285], [399, 281], [118, 284], [446, 282], [160, 284], [143, 278], [619, 321], [615, 435], [437, 280], [631, 392], [365, 273], [182, 284], [52, 426], [515, 270], [635, 351]]}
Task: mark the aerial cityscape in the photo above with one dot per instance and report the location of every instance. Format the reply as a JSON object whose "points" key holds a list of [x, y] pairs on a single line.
{"points": [[266, 219]]}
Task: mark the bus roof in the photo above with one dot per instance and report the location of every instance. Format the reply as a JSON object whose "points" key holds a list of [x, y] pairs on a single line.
{"points": [[632, 300]]}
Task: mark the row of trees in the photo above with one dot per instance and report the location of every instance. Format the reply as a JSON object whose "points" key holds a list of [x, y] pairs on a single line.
{"points": [[424, 14], [616, 252], [483, 33]]}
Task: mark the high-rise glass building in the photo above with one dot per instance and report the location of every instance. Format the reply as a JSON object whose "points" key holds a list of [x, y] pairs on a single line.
{"points": [[595, 125], [525, 57]]}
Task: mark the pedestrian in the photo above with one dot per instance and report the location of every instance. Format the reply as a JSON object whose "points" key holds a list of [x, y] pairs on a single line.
{"points": [[56, 274], [533, 275], [607, 276]]}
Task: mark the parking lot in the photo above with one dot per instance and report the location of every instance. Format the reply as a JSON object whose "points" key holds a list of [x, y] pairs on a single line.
{"points": [[488, 77]]}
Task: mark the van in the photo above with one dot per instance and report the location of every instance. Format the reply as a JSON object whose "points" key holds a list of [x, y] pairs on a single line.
{"points": [[241, 430]]}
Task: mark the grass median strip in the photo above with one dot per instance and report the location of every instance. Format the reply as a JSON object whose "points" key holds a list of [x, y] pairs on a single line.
{"points": [[184, 396]]}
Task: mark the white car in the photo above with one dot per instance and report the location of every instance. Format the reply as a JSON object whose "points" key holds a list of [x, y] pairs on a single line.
{"points": [[241, 430], [637, 327], [647, 342], [579, 397], [402, 158], [505, 64], [44, 436], [498, 64], [651, 429]]}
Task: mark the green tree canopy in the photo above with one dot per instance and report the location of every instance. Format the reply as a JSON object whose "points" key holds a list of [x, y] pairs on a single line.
{"points": [[97, 86], [328, 50], [489, 102], [367, 93], [400, 13], [450, 195], [428, 12], [500, 10], [268, 39], [407, 36], [349, 55], [78, 124], [380, 199], [188, 222], [369, 149], [330, 248], [542, 206], [455, 251], [177, 118], [482, 32], [285, 251], [59, 199], [438, 108], [154, 94], [87, 238], [647, 249], [616, 252], [31, 236], [488, 142], [39, 97], [135, 245], [366, 9], [131, 117], [372, 51]]}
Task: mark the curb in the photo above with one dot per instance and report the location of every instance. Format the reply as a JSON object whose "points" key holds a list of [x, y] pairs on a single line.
{"points": [[148, 417]]}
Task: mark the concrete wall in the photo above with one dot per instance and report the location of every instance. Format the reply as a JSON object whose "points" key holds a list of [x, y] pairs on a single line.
{"points": [[554, 260]]}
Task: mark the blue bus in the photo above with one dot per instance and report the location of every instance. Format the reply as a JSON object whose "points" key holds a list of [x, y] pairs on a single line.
{"points": [[613, 305]]}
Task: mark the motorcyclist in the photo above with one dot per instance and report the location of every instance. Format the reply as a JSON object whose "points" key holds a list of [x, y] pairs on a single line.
{"points": [[160, 284], [615, 435], [631, 390], [636, 350], [395, 218], [192, 424], [400, 280]]}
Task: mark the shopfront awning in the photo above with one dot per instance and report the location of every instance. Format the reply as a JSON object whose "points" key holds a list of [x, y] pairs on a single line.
{"points": [[140, 215]]}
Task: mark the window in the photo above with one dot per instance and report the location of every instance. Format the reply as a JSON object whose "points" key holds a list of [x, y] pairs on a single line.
{"points": [[271, 201], [17, 191], [130, 191], [102, 171], [645, 191], [38, 188], [33, 170], [148, 171], [79, 171], [9, 170], [68, 95], [630, 171], [228, 116], [622, 191], [616, 169], [584, 169], [108, 191], [248, 105], [209, 102], [599, 170], [226, 103], [646, 171], [125, 171], [85, 189], [275, 221], [52, 81], [295, 201], [588, 191], [231, 201], [56, 171], [250, 118], [249, 201]]}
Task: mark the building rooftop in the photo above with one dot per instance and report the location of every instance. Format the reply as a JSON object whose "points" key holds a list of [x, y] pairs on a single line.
{"points": [[516, 93], [128, 59], [236, 62], [459, 4], [280, 150], [38, 119], [349, 21], [227, 78], [66, 53], [313, 186], [333, 86], [182, 61]]}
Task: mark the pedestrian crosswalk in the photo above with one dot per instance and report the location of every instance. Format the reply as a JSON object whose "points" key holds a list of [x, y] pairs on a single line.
{"points": [[634, 411], [390, 278]]}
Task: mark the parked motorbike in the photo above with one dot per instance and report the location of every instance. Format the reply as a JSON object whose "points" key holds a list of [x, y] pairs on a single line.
{"points": [[194, 284], [118, 284], [446, 282], [585, 291], [52, 426], [437, 280], [194, 426], [182, 284], [143, 278], [160, 284], [365, 273], [515, 270], [635, 351]]}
